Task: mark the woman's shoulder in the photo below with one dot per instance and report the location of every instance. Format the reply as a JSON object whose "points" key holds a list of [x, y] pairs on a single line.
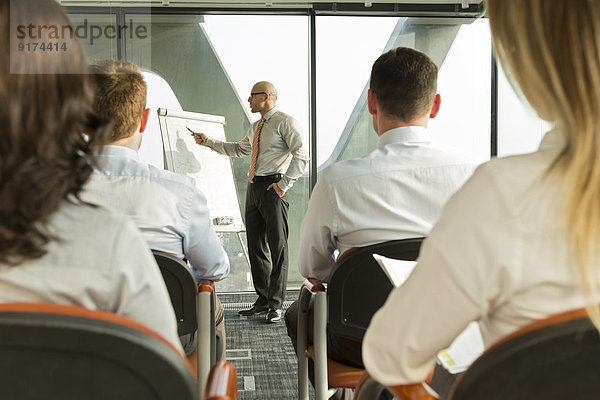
{"points": [[513, 174], [93, 219], [80, 225], [503, 188]]}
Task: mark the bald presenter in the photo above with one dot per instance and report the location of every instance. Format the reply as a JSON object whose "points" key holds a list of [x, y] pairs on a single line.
{"points": [[278, 159]]}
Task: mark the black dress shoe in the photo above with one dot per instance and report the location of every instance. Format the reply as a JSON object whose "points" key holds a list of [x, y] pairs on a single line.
{"points": [[255, 310], [274, 315]]}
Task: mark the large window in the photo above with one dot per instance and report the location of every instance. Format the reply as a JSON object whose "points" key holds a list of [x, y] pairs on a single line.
{"points": [[464, 84], [520, 130], [207, 63], [275, 49], [346, 50], [97, 33], [211, 69]]}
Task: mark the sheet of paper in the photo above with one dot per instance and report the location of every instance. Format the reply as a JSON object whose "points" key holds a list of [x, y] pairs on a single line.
{"points": [[397, 271], [463, 351]]}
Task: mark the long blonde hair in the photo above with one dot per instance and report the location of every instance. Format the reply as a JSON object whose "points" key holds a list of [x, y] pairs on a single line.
{"points": [[551, 49]]}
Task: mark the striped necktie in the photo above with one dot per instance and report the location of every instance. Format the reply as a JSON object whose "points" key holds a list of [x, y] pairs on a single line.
{"points": [[261, 122]]}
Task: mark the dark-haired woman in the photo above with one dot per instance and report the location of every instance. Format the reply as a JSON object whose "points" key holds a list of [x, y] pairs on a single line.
{"points": [[53, 247]]}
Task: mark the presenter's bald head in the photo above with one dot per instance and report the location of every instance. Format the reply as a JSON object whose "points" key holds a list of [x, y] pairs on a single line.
{"points": [[263, 97]]}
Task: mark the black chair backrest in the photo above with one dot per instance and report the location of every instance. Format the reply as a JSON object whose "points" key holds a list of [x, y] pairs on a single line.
{"points": [[358, 287], [50, 355], [182, 290], [556, 361]]}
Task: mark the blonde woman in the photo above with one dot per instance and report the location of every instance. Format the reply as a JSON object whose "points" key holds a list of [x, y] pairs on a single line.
{"points": [[518, 242]]}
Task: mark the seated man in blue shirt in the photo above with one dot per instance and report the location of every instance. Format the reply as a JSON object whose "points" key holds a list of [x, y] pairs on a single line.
{"points": [[167, 207]]}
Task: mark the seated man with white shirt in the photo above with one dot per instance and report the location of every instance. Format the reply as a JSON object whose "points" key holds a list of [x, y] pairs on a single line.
{"points": [[167, 207], [395, 192]]}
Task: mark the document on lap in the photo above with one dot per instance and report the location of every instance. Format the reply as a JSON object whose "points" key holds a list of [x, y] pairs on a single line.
{"points": [[465, 348], [463, 351]]}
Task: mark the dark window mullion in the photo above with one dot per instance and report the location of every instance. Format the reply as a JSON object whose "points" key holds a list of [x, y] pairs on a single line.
{"points": [[494, 108], [313, 100]]}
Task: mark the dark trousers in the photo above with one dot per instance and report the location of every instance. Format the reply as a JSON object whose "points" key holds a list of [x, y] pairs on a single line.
{"points": [[349, 352], [267, 228], [340, 349]]}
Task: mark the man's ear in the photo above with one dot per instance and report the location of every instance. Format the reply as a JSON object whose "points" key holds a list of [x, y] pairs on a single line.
{"points": [[437, 102], [269, 98], [372, 102], [144, 119]]}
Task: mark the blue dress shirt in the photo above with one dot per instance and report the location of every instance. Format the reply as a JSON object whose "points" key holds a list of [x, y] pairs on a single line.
{"points": [[167, 207]]}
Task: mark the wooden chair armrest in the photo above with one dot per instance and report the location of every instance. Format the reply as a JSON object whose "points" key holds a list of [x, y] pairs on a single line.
{"points": [[206, 286], [222, 382], [309, 287], [313, 285], [415, 391]]}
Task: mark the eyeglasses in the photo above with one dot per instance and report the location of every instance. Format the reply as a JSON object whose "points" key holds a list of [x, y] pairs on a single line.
{"points": [[255, 93]]}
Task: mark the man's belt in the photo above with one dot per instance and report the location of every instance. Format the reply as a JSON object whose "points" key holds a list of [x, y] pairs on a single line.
{"points": [[267, 178]]}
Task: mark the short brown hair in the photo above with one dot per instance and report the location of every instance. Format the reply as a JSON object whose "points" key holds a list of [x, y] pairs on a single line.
{"points": [[120, 95], [405, 82]]}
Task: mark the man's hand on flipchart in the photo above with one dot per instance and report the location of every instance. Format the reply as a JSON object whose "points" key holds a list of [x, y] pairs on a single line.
{"points": [[200, 138], [274, 186]]}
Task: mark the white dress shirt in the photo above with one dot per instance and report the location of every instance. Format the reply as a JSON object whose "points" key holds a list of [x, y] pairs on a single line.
{"points": [[498, 256], [395, 192], [167, 207], [101, 263], [280, 149]]}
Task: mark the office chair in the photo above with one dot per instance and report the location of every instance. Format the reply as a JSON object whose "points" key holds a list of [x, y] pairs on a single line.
{"points": [[191, 303], [344, 309], [222, 382], [66, 352], [555, 358]]}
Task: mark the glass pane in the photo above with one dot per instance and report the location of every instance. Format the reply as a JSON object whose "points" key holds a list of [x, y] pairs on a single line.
{"points": [[211, 68], [520, 130], [240, 278], [464, 120], [341, 92], [462, 51], [97, 33]]}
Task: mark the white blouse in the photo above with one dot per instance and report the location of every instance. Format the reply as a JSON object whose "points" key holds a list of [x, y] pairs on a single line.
{"points": [[498, 256], [397, 191], [101, 262]]}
